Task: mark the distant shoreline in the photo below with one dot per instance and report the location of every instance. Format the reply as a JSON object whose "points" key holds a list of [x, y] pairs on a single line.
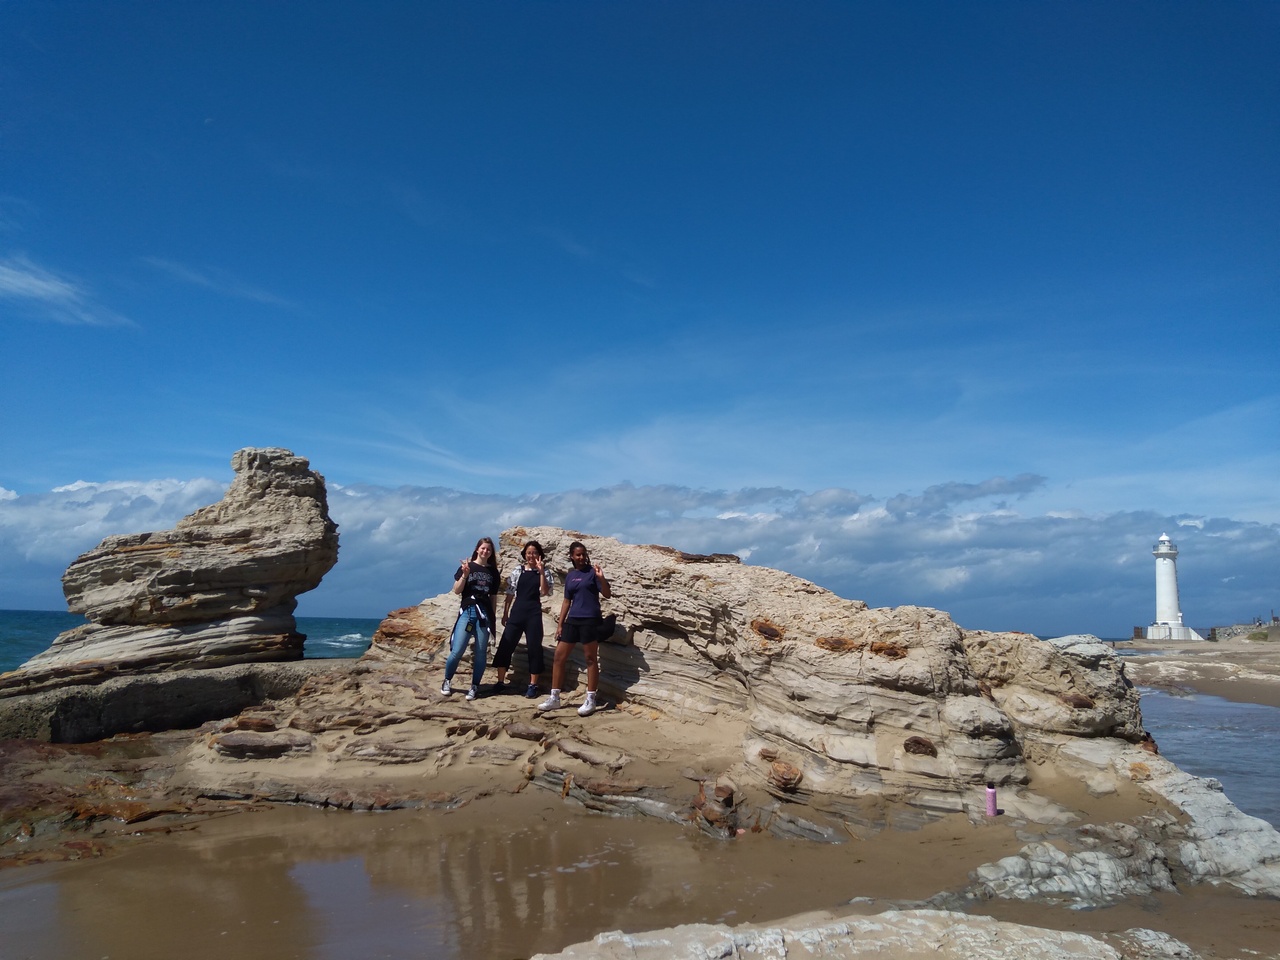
{"points": [[1242, 671]]}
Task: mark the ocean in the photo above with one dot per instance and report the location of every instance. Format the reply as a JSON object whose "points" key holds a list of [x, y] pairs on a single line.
{"points": [[1206, 736], [1212, 737], [24, 633]]}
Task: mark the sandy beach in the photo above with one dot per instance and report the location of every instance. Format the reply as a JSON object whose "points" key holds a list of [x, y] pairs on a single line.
{"points": [[1241, 670]]}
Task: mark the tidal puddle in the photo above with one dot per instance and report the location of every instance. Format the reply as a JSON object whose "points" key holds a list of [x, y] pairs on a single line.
{"points": [[477, 883]]}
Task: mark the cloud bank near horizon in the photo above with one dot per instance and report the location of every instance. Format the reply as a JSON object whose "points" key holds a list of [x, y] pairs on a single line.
{"points": [[961, 547]]}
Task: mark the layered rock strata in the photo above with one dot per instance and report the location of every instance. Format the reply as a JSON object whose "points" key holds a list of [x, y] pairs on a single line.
{"points": [[169, 700], [218, 589]]}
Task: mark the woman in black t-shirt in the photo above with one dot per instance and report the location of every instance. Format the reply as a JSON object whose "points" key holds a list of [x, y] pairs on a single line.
{"points": [[476, 581]]}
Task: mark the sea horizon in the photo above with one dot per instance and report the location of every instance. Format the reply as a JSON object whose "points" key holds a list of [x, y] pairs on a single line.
{"points": [[25, 633]]}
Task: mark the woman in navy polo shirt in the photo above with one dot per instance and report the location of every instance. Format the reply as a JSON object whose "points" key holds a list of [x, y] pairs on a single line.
{"points": [[580, 622]]}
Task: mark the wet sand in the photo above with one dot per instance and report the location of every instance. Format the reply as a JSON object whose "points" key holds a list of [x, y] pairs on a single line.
{"points": [[494, 880], [511, 876], [1238, 670]]}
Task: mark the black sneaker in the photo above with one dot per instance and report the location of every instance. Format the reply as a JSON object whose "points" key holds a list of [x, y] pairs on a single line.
{"points": [[499, 686]]}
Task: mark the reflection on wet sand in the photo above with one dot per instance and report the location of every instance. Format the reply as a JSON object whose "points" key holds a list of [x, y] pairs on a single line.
{"points": [[318, 885], [235, 898]]}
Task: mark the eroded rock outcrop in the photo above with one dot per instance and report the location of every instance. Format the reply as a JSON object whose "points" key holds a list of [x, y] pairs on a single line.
{"points": [[216, 590], [1193, 834], [825, 704], [894, 933], [1097, 866], [1065, 687], [837, 702]]}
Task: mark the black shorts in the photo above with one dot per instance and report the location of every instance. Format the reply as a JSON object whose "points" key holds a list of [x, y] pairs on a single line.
{"points": [[581, 630]]}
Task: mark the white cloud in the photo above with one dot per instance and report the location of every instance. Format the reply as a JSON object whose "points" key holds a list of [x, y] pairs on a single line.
{"points": [[54, 297], [218, 281], [947, 579], [567, 243], [74, 487], [941, 496], [996, 568], [48, 530], [588, 254]]}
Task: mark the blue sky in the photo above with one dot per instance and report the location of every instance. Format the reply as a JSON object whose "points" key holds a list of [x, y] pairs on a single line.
{"points": [[952, 304]]}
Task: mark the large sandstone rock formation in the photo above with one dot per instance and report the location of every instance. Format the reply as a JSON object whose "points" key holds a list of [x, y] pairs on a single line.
{"points": [[837, 703], [218, 589]]}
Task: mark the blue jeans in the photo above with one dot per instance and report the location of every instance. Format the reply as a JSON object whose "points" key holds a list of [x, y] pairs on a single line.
{"points": [[470, 619]]}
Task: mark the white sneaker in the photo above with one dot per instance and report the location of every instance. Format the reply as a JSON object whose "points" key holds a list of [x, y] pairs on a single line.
{"points": [[588, 705], [473, 692], [551, 703], [446, 688]]}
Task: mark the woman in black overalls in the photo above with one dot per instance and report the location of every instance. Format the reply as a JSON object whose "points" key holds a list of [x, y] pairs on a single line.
{"points": [[522, 613]]}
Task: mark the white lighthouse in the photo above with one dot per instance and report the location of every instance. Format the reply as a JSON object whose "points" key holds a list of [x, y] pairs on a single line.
{"points": [[1168, 623]]}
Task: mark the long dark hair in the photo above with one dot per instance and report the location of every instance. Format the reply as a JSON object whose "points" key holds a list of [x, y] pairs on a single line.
{"points": [[493, 553], [525, 549]]}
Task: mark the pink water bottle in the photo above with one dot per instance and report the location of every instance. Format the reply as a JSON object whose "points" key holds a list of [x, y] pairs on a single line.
{"points": [[991, 800]]}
